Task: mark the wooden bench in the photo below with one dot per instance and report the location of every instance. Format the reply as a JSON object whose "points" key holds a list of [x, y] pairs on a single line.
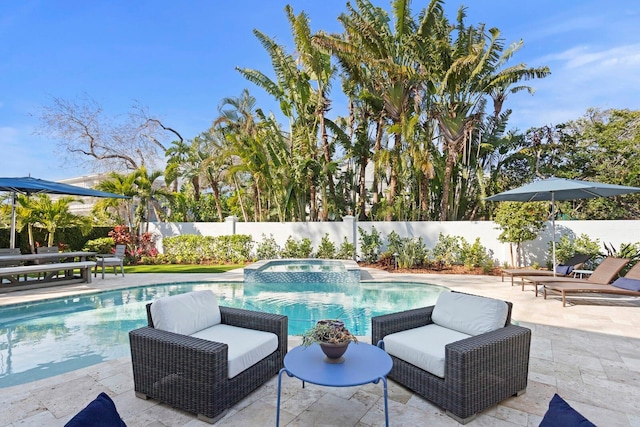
{"points": [[12, 274]]}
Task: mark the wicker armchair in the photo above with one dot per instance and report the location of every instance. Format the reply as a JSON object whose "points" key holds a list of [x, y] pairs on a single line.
{"points": [[480, 371], [192, 373]]}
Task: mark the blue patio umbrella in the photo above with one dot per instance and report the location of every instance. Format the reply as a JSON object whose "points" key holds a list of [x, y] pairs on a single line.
{"points": [[553, 189], [29, 186]]}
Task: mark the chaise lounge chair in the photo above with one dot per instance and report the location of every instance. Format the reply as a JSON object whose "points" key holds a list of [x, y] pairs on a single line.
{"points": [[629, 285], [562, 270], [602, 275]]}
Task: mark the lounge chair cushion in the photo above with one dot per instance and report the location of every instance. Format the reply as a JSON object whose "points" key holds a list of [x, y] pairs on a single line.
{"points": [[626, 283], [423, 347], [564, 269], [186, 313], [469, 314], [560, 413], [246, 347], [101, 412]]}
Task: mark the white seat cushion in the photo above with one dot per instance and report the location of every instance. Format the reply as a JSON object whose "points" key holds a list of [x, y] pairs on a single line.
{"points": [[246, 346], [469, 314], [109, 260], [423, 347], [186, 313]]}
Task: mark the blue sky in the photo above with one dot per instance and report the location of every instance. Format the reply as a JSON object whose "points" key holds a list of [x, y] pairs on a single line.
{"points": [[178, 59]]}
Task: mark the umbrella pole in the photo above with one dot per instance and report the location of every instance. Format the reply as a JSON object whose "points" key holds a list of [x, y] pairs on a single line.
{"points": [[12, 238], [553, 231]]}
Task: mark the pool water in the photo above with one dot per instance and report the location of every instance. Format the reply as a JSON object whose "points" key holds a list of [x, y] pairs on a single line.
{"points": [[302, 271], [42, 339]]}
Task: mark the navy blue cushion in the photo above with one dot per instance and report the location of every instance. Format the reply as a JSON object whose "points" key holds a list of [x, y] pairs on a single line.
{"points": [[561, 414], [99, 413], [564, 269], [629, 284]]}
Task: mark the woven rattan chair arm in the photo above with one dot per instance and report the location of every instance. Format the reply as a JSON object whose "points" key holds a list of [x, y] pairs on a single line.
{"points": [[165, 353], [381, 326], [488, 356], [259, 321]]}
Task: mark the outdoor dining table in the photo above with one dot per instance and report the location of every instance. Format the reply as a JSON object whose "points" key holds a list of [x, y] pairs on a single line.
{"points": [[74, 258], [51, 257]]}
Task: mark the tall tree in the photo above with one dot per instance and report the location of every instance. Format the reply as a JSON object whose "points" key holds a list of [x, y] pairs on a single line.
{"points": [[123, 184], [371, 47], [42, 212], [469, 68], [293, 90], [316, 62], [88, 136], [149, 192]]}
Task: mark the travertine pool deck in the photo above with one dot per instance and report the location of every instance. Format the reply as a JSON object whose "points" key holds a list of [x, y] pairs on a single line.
{"points": [[588, 352]]}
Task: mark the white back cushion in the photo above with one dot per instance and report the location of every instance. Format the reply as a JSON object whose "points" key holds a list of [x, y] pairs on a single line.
{"points": [[186, 313], [469, 314], [246, 347], [423, 347]]}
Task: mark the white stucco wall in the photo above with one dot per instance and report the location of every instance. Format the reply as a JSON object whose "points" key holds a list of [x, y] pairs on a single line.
{"points": [[611, 232]]}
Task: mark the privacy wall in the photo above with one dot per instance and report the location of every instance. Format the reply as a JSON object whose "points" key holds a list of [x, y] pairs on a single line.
{"points": [[611, 232]]}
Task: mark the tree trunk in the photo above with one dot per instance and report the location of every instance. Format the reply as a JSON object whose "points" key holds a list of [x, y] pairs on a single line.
{"points": [[313, 203], [362, 189], [393, 183], [195, 181], [376, 149], [216, 197], [327, 159]]}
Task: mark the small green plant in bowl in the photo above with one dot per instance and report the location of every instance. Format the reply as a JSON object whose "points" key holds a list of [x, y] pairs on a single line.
{"points": [[332, 337], [328, 331]]}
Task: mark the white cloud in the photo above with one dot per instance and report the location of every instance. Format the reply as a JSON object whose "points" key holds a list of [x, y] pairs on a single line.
{"points": [[581, 77]]}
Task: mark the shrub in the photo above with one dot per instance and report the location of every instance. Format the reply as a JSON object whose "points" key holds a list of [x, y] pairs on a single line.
{"points": [[566, 248], [184, 249], [294, 249], [235, 248], [346, 251], [447, 250], [370, 244], [394, 242], [411, 252], [476, 255], [194, 249], [326, 249], [103, 245], [268, 248]]}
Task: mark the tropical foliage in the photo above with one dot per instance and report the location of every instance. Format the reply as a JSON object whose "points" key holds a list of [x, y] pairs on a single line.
{"points": [[423, 134]]}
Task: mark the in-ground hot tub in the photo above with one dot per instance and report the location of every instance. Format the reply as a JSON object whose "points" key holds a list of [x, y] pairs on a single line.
{"points": [[303, 271]]}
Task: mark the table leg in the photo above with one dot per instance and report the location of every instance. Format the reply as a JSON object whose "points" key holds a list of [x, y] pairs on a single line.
{"points": [[282, 371], [279, 389], [386, 404]]}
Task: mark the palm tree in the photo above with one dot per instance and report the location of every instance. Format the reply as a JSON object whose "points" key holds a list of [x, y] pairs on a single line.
{"points": [[296, 97], [120, 184], [149, 193], [469, 69], [43, 212], [316, 62], [383, 60]]}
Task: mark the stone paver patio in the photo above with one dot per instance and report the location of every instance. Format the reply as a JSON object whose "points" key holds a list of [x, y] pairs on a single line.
{"points": [[588, 352]]}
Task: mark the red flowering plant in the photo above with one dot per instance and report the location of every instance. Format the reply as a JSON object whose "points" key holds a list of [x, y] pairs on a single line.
{"points": [[137, 246]]}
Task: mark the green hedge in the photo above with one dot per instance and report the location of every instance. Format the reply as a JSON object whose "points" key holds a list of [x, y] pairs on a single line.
{"points": [[195, 249], [71, 237]]}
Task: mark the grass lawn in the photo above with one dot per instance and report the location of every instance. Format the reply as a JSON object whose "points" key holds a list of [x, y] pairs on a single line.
{"points": [[180, 268]]}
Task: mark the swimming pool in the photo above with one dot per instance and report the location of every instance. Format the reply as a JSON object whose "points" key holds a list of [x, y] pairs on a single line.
{"points": [[303, 271], [46, 338]]}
